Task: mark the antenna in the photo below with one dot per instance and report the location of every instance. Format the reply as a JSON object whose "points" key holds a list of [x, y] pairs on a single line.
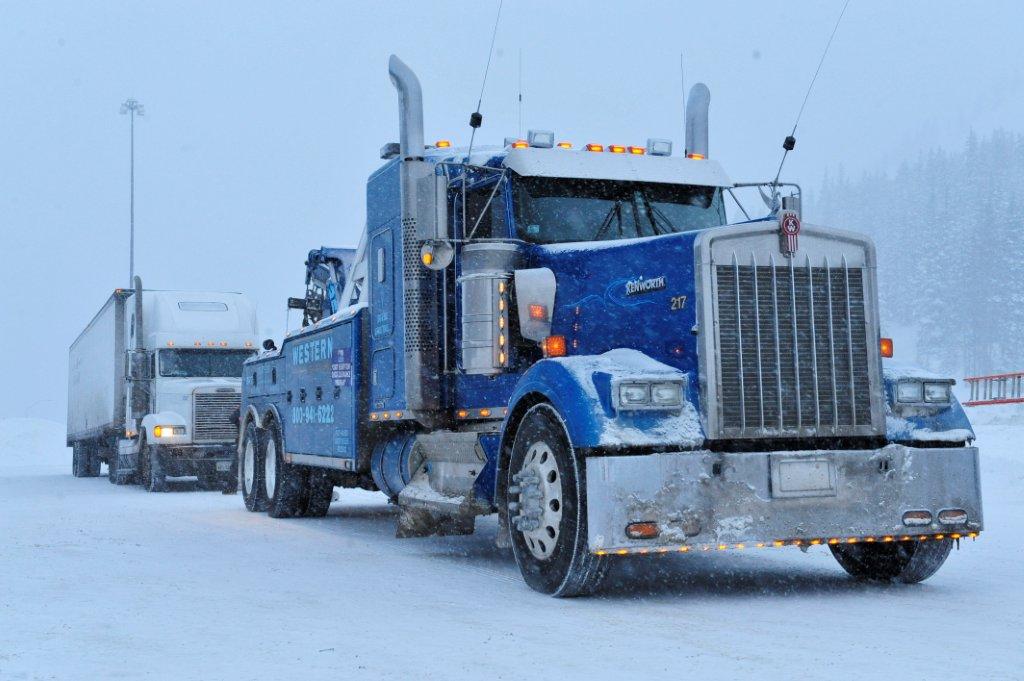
{"points": [[475, 119], [682, 83], [520, 92], [790, 142]]}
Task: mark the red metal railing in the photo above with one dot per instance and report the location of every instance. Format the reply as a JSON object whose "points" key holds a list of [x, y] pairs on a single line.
{"points": [[996, 389]]}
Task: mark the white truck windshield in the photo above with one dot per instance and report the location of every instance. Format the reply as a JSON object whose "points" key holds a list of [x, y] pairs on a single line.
{"points": [[559, 210], [203, 363]]}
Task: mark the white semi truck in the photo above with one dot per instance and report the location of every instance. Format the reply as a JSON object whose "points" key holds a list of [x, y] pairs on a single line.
{"points": [[154, 385]]}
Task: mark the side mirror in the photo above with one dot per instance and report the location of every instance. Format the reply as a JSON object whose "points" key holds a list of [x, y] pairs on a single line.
{"points": [[269, 345], [138, 365], [296, 303]]}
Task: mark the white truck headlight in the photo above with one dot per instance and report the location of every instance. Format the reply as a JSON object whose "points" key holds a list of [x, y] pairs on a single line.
{"points": [[936, 392], [168, 431], [669, 394], [910, 391], [634, 394]]}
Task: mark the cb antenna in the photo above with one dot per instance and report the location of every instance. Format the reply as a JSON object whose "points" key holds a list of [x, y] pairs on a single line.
{"points": [[475, 118], [790, 142], [520, 92]]}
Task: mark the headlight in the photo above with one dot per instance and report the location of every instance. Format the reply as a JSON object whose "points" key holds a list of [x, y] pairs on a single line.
{"points": [[667, 394], [633, 394], [168, 431], [910, 391], [936, 392]]}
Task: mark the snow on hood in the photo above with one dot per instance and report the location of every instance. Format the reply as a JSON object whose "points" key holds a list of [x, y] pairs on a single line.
{"points": [[894, 371]]}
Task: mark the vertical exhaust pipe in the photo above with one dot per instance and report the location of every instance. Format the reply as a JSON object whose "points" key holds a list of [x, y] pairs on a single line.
{"points": [[139, 345], [420, 222], [410, 109], [697, 105]]}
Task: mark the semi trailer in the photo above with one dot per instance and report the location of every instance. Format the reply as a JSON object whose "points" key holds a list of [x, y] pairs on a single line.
{"points": [[154, 387], [575, 339]]}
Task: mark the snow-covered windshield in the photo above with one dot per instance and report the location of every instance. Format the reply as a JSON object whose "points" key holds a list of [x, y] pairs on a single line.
{"points": [[203, 363], [558, 210]]}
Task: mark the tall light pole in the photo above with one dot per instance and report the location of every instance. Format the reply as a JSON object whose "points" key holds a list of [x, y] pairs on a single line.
{"points": [[133, 108]]}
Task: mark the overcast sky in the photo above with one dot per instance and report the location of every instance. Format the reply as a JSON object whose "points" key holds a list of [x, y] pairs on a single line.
{"points": [[263, 121]]}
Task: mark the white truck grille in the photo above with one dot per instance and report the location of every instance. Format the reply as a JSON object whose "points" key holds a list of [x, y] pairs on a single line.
{"points": [[793, 349], [215, 417]]}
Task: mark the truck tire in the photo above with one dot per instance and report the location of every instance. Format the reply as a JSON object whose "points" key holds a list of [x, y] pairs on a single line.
{"points": [[284, 482], [547, 509], [316, 497], [151, 473], [250, 466], [908, 562], [84, 462]]}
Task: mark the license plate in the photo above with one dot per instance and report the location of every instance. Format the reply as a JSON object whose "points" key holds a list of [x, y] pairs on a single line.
{"points": [[803, 477], [223, 466]]}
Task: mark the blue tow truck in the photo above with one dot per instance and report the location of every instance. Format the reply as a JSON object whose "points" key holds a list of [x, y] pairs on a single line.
{"points": [[576, 340]]}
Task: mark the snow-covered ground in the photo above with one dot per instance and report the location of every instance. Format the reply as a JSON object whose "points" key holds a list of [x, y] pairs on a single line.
{"points": [[98, 581]]}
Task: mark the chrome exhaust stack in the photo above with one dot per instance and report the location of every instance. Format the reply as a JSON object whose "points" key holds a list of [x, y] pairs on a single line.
{"points": [[697, 105]]}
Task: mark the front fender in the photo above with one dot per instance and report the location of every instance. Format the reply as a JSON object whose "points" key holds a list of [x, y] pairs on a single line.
{"points": [[579, 388], [166, 418], [933, 424]]}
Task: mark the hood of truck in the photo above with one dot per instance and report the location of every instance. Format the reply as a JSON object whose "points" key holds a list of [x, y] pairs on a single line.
{"points": [[175, 394], [636, 293]]}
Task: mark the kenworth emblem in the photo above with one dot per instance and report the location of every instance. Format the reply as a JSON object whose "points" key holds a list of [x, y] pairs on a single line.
{"points": [[789, 231], [641, 285]]}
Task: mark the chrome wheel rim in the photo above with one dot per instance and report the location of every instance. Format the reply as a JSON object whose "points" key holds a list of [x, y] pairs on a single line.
{"points": [[270, 467], [248, 465], [535, 506]]}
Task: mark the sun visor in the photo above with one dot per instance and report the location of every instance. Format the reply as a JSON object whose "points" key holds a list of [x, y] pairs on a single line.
{"points": [[586, 165]]}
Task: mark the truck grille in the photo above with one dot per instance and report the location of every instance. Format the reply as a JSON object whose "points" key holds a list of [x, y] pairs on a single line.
{"points": [[215, 417], [793, 349]]}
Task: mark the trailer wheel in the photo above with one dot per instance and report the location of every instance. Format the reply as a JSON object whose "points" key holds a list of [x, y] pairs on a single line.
{"points": [[151, 473], [547, 509], [317, 493], [250, 466], [908, 562], [84, 462], [283, 481]]}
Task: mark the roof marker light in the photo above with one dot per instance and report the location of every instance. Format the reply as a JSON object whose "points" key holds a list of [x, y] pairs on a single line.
{"points": [[564, 145], [696, 157], [595, 147], [443, 144], [519, 144], [659, 147], [542, 139], [637, 151], [616, 149]]}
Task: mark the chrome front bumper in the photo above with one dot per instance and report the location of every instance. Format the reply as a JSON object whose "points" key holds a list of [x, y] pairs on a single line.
{"points": [[706, 499]]}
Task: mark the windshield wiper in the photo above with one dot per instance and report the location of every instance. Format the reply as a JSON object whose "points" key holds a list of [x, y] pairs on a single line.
{"points": [[654, 214], [616, 209]]}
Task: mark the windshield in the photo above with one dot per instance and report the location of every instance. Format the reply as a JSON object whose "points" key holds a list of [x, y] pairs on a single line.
{"points": [[203, 363], [557, 210]]}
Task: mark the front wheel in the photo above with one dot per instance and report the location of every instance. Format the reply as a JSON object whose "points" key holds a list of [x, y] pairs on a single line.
{"points": [[151, 467], [909, 562], [547, 509]]}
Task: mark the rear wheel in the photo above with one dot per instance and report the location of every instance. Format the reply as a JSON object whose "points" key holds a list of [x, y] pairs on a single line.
{"points": [[547, 509], [84, 462], [316, 497], [283, 481], [250, 465], [909, 562]]}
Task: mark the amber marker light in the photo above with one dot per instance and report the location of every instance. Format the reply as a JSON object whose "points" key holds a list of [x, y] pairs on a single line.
{"points": [[886, 347], [696, 157], [520, 144], [554, 346], [642, 530], [443, 144], [595, 147], [637, 151], [564, 145], [538, 311], [616, 149], [484, 413]]}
